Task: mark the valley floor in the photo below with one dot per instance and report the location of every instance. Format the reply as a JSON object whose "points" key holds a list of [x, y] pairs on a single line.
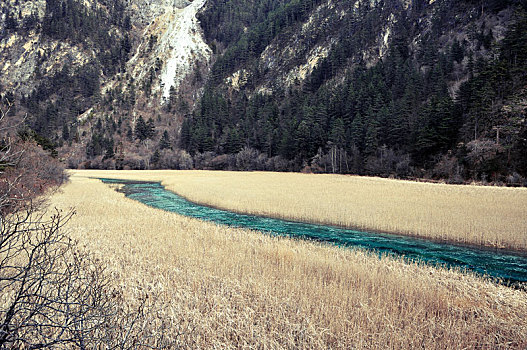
{"points": [[218, 287], [473, 215]]}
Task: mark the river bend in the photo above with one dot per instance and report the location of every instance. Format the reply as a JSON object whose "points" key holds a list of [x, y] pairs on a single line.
{"points": [[508, 267]]}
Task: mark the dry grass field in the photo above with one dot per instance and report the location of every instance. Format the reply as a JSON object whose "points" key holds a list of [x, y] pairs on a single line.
{"points": [[489, 216], [224, 288]]}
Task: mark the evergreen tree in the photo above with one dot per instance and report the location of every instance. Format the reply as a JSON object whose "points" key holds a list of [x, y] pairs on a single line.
{"points": [[109, 151], [130, 134], [150, 128], [164, 143], [141, 130], [457, 51], [338, 133], [155, 158], [11, 24], [65, 132]]}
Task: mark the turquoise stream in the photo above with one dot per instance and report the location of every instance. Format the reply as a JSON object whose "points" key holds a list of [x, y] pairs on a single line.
{"points": [[508, 267]]}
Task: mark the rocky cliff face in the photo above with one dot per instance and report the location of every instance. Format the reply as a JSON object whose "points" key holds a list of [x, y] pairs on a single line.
{"points": [[172, 44], [36, 40], [165, 35], [372, 27], [167, 38], [144, 12], [21, 51]]}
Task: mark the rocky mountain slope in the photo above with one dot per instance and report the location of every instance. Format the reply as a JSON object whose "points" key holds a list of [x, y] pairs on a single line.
{"points": [[372, 87]]}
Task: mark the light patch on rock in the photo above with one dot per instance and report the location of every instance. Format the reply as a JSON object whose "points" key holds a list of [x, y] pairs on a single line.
{"points": [[35, 6], [29, 45], [184, 45], [84, 116], [19, 57], [179, 47], [263, 90], [302, 71], [238, 79], [384, 45], [307, 25], [11, 41], [144, 12]]}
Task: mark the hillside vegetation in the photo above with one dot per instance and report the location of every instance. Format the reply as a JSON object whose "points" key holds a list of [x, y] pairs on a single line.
{"points": [[428, 89], [55, 56]]}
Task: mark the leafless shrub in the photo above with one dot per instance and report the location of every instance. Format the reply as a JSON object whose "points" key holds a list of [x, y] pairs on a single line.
{"points": [[52, 293], [184, 160], [448, 168], [480, 151], [483, 159], [388, 162], [515, 179], [221, 162], [445, 168], [247, 159], [203, 160], [278, 163]]}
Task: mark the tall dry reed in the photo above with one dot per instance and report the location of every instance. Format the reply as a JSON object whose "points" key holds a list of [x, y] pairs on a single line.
{"points": [[489, 216], [231, 288]]}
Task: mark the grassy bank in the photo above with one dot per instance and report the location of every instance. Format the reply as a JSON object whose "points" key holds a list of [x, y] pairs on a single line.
{"points": [[488, 216], [229, 288]]}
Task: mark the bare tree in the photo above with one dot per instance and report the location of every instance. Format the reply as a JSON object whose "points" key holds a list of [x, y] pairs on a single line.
{"points": [[52, 293]]}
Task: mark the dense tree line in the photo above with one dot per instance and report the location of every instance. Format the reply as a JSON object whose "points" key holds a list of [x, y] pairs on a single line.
{"points": [[396, 117], [273, 20], [59, 99], [480, 105], [439, 106], [224, 21]]}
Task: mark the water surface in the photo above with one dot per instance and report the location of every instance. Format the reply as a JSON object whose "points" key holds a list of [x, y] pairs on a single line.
{"points": [[508, 267]]}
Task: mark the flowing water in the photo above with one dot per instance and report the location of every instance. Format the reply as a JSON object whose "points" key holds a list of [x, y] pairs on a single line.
{"points": [[508, 267]]}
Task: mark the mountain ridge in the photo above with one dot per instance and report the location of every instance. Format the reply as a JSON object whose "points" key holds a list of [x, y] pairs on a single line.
{"points": [[274, 85]]}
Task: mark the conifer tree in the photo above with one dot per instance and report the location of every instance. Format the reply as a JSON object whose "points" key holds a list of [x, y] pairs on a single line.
{"points": [[164, 143]]}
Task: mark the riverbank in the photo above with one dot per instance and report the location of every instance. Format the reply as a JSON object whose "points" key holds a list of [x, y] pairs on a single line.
{"points": [[492, 217], [231, 288], [510, 269]]}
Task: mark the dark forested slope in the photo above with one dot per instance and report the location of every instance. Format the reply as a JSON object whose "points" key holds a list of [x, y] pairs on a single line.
{"points": [[420, 89]]}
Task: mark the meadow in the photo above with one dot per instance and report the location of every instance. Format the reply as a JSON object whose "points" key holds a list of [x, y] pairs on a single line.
{"points": [[218, 287], [473, 215]]}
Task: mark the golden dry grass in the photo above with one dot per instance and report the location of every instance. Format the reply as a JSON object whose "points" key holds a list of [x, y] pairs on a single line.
{"points": [[229, 288], [489, 216]]}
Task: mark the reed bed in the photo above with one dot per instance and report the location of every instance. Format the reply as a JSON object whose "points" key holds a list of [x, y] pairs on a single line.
{"points": [[225, 288], [476, 215]]}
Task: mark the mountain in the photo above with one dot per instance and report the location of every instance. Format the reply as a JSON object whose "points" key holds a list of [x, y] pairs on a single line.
{"points": [[392, 88]]}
